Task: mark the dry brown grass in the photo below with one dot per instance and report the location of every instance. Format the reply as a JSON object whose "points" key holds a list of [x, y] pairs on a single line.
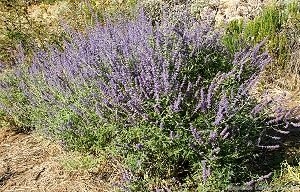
{"points": [[290, 80], [287, 83], [28, 162]]}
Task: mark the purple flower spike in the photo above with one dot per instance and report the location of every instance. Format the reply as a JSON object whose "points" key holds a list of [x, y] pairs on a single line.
{"points": [[222, 109], [196, 134], [139, 146], [205, 171], [212, 136], [224, 131]]}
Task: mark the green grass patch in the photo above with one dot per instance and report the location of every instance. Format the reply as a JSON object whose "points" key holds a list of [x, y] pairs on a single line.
{"points": [[275, 24]]}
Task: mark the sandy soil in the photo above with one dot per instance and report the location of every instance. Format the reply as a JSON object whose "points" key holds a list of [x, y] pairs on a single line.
{"points": [[31, 163]]}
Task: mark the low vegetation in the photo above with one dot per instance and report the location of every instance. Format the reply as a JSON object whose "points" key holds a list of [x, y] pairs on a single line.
{"points": [[167, 94], [278, 23]]}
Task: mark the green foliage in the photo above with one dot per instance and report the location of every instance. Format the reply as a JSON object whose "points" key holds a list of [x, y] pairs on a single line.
{"points": [[163, 151], [274, 23], [78, 161], [207, 63], [154, 159], [13, 96], [154, 155]]}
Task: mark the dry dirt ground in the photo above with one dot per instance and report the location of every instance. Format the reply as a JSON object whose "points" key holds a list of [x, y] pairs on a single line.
{"points": [[31, 163]]}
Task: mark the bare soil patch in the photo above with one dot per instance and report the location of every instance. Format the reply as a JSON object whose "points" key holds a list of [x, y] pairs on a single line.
{"points": [[30, 163]]}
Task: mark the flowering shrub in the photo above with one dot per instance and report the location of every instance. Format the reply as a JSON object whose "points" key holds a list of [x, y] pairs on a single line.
{"points": [[167, 97]]}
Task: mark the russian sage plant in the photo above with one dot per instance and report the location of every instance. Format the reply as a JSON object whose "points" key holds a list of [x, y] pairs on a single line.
{"points": [[167, 97]]}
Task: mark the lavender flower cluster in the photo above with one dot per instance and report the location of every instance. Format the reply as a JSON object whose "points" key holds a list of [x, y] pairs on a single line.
{"points": [[121, 66], [132, 71]]}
